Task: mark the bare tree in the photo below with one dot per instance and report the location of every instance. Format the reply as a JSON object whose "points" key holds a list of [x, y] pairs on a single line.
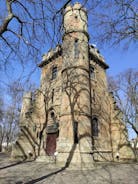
{"points": [[116, 22], [1, 119], [125, 88], [10, 111], [26, 27], [1, 107]]}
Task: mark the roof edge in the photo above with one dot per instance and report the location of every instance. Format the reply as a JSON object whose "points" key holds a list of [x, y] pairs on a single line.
{"points": [[50, 55]]}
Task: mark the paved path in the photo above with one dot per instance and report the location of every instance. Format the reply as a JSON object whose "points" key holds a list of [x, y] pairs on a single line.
{"points": [[34, 172]]}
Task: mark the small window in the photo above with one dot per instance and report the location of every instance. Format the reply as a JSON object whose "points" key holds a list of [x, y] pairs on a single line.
{"points": [[93, 95], [92, 72], [54, 73], [76, 133], [52, 115], [76, 49], [95, 127], [52, 96]]}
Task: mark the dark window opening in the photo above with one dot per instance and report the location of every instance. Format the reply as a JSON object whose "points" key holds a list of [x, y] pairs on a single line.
{"points": [[76, 133], [52, 115], [52, 96], [54, 73], [76, 49], [76, 16], [95, 127], [93, 95], [92, 72]]}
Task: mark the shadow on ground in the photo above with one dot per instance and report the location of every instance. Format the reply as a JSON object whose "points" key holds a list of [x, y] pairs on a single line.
{"points": [[34, 172]]}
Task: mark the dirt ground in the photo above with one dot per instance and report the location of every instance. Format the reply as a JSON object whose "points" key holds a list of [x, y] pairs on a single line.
{"points": [[38, 172]]}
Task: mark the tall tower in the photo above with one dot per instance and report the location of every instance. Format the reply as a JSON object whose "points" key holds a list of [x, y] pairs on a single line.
{"points": [[74, 144]]}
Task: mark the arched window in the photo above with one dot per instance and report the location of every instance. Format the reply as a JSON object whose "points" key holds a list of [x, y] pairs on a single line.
{"points": [[92, 72], [95, 130], [54, 72]]}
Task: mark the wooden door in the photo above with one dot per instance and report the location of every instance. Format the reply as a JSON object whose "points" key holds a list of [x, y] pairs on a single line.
{"points": [[51, 143]]}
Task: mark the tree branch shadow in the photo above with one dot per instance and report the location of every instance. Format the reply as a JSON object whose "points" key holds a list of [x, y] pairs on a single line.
{"points": [[14, 164], [58, 171]]}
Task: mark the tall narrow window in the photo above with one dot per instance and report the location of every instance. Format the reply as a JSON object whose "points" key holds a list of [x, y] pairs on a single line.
{"points": [[75, 132], [54, 73], [52, 96], [92, 72], [95, 127], [93, 95], [76, 49]]}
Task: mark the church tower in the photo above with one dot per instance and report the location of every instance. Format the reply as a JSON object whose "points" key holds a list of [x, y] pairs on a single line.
{"points": [[75, 124], [72, 119]]}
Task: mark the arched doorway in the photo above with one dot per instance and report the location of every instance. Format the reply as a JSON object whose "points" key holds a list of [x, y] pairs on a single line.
{"points": [[52, 134], [51, 143]]}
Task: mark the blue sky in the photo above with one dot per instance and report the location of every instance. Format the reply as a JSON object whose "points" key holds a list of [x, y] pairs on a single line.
{"points": [[117, 58], [120, 60]]}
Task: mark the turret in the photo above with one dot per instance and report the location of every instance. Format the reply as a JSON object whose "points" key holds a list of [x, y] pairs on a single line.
{"points": [[26, 106], [75, 38], [75, 19], [75, 124]]}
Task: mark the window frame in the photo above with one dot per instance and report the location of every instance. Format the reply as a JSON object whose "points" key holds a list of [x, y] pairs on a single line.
{"points": [[76, 48], [54, 72], [95, 127], [92, 72]]}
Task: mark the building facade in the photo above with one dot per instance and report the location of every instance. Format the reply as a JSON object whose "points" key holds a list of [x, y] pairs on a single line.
{"points": [[72, 118]]}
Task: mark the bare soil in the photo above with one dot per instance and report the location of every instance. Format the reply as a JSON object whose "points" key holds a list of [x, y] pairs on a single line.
{"points": [[38, 172]]}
